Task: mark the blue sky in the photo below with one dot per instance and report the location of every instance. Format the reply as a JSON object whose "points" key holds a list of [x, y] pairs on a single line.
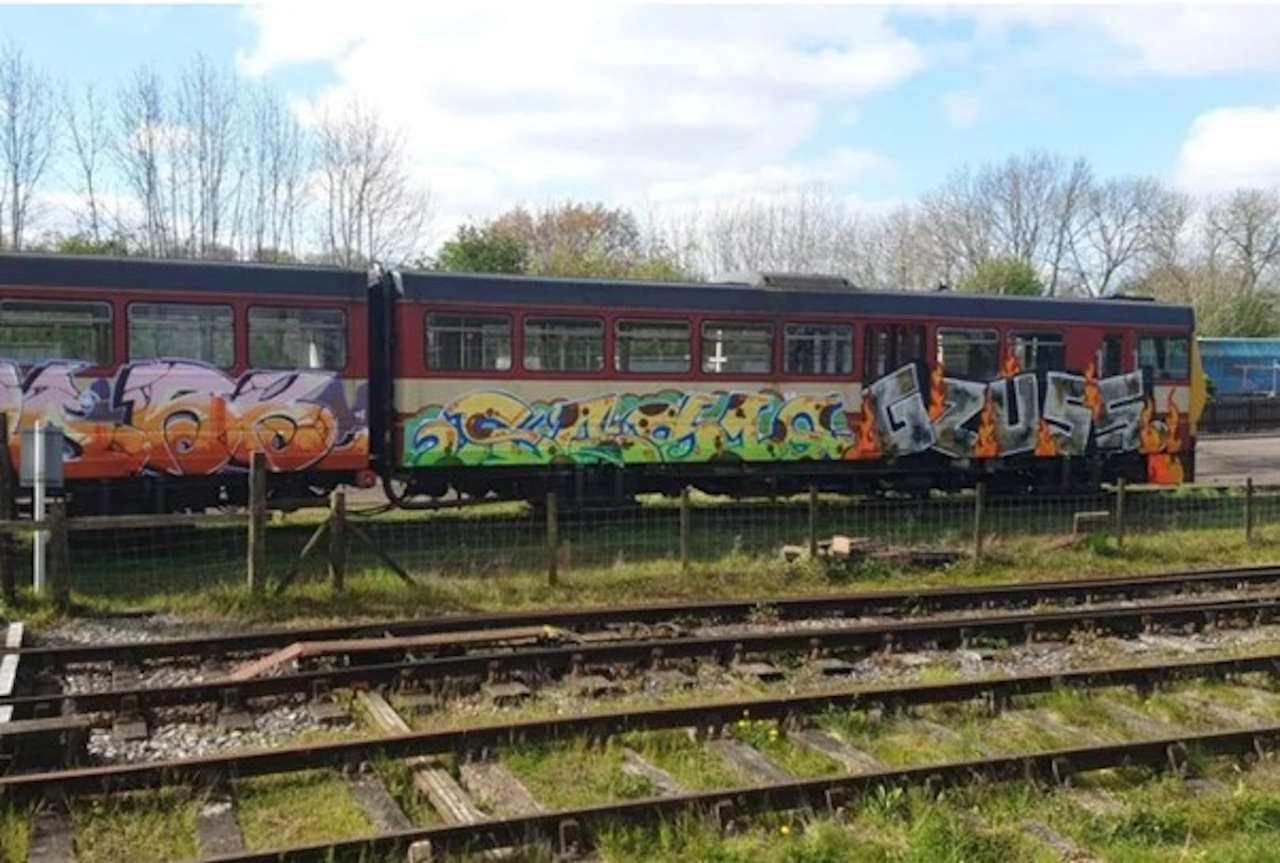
{"points": [[688, 107]]}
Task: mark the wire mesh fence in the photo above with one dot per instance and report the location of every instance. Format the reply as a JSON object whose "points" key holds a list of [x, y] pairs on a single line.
{"points": [[497, 539]]}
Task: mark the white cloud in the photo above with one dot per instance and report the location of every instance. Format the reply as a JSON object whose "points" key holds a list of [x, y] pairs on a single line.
{"points": [[530, 103], [1231, 147]]}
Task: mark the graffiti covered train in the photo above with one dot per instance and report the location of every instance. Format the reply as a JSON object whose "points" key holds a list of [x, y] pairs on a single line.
{"points": [[167, 376]]}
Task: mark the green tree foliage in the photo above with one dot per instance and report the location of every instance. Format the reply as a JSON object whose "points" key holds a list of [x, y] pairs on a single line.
{"points": [[1224, 303], [82, 244], [1005, 276], [482, 249], [570, 239]]}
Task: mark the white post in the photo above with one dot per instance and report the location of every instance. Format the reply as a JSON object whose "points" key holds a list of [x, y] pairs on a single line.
{"points": [[41, 537]]}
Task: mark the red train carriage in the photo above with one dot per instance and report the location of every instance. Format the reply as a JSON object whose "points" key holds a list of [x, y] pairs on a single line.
{"points": [[167, 375], [510, 384]]}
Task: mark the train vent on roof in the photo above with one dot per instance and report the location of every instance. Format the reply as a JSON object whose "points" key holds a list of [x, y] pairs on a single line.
{"points": [[794, 282]]}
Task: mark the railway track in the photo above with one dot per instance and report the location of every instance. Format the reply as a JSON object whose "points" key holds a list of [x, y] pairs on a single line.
{"points": [[859, 604], [569, 830], [541, 662]]}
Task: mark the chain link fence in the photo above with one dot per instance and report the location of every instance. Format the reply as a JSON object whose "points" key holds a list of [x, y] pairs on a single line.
{"points": [[497, 539]]}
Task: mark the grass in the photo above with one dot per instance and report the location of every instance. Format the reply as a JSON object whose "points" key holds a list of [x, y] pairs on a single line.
{"points": [[767, 738], [142, 826], [375, 592], [15, 833], [573, 774], [288, 809]]}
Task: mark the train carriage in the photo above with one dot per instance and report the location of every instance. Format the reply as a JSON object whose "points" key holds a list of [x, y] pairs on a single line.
{"points": [[168, 375]]}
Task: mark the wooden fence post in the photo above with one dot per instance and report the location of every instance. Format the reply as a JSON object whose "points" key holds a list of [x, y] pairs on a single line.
{"points": [[979, 503], [59, 553], [684, 529], [257, 549], [1120, 512], [813, 521], [337, 538], [553, 540], [8, 582], [1248, 508]]}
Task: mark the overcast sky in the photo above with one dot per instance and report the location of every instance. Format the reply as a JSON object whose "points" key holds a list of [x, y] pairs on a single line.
{"points": [[663, 106]]}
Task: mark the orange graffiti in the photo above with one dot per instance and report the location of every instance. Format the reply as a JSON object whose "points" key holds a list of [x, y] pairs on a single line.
{"points": [[937, 393], [986, 445], [1164, 467], [1149, 440], [1010, 366], [185, 418], [1092, 394], [868, 434], [1045, 444]]}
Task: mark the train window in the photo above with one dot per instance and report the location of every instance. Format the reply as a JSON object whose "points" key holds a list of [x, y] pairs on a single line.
{"points": [[33, 331], [1040, 351], [1110, 357], [1166, 356], [281, 338], [818, 349], [469, 342], [563, 344], [192, 332], [737, 347], [972, 354], [652, 346], [890, 346]]}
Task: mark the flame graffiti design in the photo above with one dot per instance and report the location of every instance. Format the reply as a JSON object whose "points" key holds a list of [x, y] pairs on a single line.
{"points": [[1009, 366], [868, 445], [937, 392], [1045, 444], [1092, 393], [1164, 466], [986, 445]]}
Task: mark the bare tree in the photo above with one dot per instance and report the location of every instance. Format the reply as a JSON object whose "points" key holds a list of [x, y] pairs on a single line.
{"points": [[373, 207], [86, 125], [140, 151], [1246, 227], [28, 134], [205, 112], [277, 154], [1116, 229]]}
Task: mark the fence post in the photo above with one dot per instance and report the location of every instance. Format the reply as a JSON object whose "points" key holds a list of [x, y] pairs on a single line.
{"points": [[1120, 512], [59, 552], [813, 521], [684, 529], [337, 538], [1248, 508], [553, 540], [257, 549], [8, 583], [979, 504]]}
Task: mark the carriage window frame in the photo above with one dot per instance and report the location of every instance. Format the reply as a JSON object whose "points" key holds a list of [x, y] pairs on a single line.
{"points": [[739, 328], [105, 347], [819, 342], [230, 311], [891, 343], [1162, 369], [1041, 339], [595, 350], [981, 337], [622, 353], [428, 342], [338, 366]]}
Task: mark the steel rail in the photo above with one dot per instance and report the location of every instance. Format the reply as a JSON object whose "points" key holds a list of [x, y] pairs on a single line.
{"points": [[569, 829], [785, 607], [600, 725], [935, 632]]}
